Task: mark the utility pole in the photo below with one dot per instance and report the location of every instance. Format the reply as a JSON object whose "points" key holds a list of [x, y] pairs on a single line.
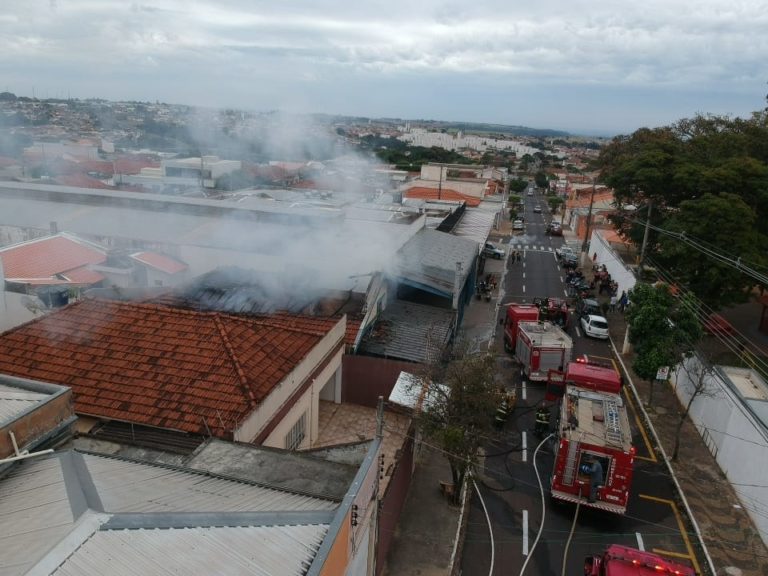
{"points": [[589, 218], [440, 184], [645, 238]]}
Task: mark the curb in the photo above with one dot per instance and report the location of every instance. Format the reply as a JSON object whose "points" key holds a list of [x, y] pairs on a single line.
{"points": [[679, 488]]}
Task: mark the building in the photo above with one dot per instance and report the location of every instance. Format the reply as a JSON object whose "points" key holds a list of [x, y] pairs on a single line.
{"points": [[203, 373], [204, 172]]}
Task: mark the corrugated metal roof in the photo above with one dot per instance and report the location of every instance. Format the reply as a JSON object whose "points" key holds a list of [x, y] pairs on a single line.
{"points": [[430, 258], [50, 516], [126, 486], [475, 225], [259, 550], [14, 400], [409, 331]]}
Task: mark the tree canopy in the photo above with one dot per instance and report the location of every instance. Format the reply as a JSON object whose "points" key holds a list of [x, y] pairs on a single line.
{"points": [[706, 178]]}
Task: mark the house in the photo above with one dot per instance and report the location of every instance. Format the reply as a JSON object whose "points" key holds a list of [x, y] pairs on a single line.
{"points": [[158, 269], [190, 371]]}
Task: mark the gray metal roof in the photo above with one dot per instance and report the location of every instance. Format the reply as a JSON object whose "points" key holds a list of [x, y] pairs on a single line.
{"points": [[274, 550], [408, 331], [430, 257], [14, 401], [58, 511], [475, 224]]}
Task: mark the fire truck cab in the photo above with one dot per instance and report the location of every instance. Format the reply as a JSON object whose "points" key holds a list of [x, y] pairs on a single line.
{"points": [[623, 561]]}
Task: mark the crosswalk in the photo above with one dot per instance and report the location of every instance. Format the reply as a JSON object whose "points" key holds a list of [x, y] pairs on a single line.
{"points": [[531, 247]]}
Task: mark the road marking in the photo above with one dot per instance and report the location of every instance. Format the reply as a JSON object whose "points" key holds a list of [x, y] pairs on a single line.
{"points": [[578, 332], [651, 453], [565, 292], [562, 279], [523, 390], [525, 447], [681, 526], [523, 288], [662, 552], [525, 532], [640, 544]]}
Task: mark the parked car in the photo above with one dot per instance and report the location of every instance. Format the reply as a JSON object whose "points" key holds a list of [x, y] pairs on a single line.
{"points": [[563, 250], [554, 229], [716, 324], [518, 225], [595, 326], [493, 251], [569, 260], [530, 192], [588, 307], [537, 209]]}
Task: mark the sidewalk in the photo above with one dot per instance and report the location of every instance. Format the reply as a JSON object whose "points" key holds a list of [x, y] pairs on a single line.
{"points": [[728, 533]]}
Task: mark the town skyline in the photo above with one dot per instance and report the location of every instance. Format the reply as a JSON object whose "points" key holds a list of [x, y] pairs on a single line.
{"points": [[551, 66]]}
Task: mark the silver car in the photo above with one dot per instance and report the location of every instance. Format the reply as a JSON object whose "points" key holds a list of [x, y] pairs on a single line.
{"points": [[595, 326]]}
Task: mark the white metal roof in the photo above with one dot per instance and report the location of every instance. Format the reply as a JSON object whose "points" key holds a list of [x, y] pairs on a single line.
{"points": [[88, 514], [14, 401], [257, 550]]}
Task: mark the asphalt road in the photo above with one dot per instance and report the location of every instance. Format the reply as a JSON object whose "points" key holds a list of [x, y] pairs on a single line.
{"points": [[509, 484]]}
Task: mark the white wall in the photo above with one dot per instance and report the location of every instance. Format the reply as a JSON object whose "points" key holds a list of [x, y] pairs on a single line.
{"points": [[619, 272], [737, 439]]}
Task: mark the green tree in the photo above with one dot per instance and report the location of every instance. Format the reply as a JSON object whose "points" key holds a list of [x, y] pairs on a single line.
{"points": [[541, 180], [662, 329], [460, 398], [518, 185]]}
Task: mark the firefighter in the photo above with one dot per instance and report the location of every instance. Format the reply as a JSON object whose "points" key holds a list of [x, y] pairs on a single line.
{"points": [[542, 421], [502, 411], [595, 478]]}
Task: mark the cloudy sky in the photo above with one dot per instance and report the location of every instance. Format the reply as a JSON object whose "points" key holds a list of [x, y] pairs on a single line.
{"points": [[584, 66]]}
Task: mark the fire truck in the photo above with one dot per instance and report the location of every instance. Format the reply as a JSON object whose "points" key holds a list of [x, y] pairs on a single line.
{"points": [[541, 347], [623, 561], [515, 314], [593, 426]]}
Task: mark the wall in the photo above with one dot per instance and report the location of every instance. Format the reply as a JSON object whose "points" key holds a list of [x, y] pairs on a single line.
{"points": [[619, 271], [365, 378], [474, 189], [44, 417], [736, 437], [393, 501]]}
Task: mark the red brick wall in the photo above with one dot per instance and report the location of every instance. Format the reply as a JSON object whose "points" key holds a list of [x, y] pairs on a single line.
{"points": [[42, 420]]}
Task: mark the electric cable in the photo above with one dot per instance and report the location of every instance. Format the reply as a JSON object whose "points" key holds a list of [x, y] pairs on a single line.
{"points": [[570, 537]]}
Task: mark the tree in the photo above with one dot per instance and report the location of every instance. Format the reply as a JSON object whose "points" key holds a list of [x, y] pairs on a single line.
{"points": [[698, 383], [662, 329], [541, 180], [460, 398], [518, 185]]}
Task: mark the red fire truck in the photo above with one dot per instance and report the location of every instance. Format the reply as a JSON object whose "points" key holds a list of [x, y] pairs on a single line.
{"points": [[541, 347], [622, 561], [593, 426], [517, 313], [586, 372]]}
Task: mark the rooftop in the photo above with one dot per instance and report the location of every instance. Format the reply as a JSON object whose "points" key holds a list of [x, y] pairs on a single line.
{"points": [[197, 372], [425, 193], [596, 418], [80, 513], [160, 262]]}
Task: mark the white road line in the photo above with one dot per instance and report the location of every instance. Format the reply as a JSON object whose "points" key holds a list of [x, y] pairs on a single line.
{"points": [[578, 332], [523, 275], [523, 288], [525, 446], [640, 544], [565, 292], [523, 390], [562, 279], [525, 532]]}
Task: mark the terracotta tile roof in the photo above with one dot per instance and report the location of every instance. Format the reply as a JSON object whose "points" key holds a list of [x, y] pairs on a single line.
{"points": [[312, 323], [423, 193], [156, 365], [160, 262], [82, 181], [39, 261], [83, 275]]}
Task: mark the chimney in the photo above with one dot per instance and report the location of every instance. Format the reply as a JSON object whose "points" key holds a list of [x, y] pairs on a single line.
{"points": [[54, 228]]}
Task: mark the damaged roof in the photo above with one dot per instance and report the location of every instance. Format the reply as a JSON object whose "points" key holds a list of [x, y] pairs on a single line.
{"points": [[409, 331]]}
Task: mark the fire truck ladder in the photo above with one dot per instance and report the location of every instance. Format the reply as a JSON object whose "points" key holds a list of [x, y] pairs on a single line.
{"points": [[570, 463], [612, 422]]}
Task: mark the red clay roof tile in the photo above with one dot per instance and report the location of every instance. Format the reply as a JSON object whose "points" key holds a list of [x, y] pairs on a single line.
{"points": [[157, 365], [160, 262], [424, 193]]}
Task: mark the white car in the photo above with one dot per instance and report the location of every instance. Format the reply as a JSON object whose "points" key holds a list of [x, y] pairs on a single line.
{"points": [[518, 225], [493, 251], [537, 209], [595, 326], [563, 250], [530, 192]]}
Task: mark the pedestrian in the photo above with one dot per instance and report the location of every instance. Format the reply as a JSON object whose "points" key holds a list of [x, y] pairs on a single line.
{"points": [[542, 421], [520, 256], [614, 300], [623, 300], [514, 256], [594, 257]]}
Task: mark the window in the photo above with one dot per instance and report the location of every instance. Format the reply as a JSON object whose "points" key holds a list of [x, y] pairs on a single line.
{"points": [[296, 434]]}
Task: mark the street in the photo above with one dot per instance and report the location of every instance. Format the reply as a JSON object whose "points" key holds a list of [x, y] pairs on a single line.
{"points": [[517, 498]]}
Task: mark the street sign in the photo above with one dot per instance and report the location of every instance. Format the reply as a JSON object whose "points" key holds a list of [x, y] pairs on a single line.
{"points": [[662, 373]]}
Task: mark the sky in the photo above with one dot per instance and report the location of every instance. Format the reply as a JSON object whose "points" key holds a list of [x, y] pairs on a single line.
{"points": [[587, 67]]}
